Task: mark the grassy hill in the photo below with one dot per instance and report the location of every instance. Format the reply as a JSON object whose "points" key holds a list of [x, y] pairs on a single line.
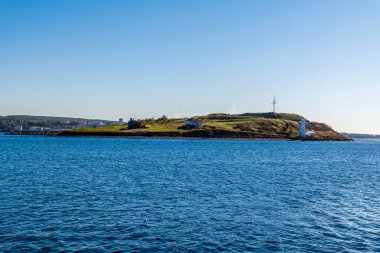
{"points": [[220, 125]]}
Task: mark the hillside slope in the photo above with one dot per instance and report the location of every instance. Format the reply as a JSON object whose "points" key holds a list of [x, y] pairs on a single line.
{"points": [[249, 125]]}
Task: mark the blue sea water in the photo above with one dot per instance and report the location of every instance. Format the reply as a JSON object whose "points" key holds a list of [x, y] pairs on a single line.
{"points": [[165, 195]]}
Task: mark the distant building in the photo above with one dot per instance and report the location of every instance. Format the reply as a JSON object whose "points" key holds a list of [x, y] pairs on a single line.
{"points": [[303, 128], [36, 129], [17, 128], [303, 132], [193, 123], [96, 123], [310, 134], [121, 121]]}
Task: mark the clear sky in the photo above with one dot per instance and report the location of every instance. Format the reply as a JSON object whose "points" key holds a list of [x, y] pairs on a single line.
{"points": [[110, 59]]}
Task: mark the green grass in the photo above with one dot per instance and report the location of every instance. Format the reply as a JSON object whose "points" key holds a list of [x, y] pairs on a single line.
{"points": [[100, 129], [169, 126], [250, 124]]}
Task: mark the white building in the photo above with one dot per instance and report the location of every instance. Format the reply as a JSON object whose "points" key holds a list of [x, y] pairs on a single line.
{"points": [[36, 129], [96, 123], [303, 132], [17, 128], [193, 122], [310, 134]]}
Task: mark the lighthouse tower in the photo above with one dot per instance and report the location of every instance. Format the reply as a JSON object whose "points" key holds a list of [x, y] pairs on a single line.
{"points": [[303, 128]]}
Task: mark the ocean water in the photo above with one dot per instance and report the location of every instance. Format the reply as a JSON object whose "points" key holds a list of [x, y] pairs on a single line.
{"points": [[163, 195]]}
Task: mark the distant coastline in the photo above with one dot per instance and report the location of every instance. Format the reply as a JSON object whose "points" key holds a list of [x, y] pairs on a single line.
{"points": [[361, 136], [254, 126]]}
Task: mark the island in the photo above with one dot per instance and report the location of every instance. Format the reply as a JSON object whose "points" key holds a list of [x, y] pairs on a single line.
{"points": [[272, 126]]}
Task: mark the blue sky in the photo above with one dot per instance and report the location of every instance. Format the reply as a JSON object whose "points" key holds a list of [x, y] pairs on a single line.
{"points": [[111, 59]]}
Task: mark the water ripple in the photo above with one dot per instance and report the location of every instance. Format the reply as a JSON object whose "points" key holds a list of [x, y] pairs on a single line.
{"points": [[123, 195]]}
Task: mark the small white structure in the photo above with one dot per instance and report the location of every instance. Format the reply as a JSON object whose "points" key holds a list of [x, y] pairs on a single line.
{"points": [[193, 122], [310, 134], [36, 129], [303, 128], [96, 123], [17, 128]]}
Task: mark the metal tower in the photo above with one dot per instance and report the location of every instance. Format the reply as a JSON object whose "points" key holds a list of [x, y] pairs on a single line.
{"points": [[274, 103]]}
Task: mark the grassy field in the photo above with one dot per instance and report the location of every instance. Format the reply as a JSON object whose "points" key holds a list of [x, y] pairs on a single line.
{"points": [[248, 125]]}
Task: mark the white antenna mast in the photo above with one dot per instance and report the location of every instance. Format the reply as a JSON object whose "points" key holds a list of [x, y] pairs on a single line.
{"points": [[274, 103]]}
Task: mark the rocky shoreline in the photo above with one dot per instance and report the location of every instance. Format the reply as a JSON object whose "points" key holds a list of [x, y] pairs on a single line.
{"points": [[196, 134]]}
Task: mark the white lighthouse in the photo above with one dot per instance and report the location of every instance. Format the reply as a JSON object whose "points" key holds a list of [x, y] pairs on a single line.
{"points": [[303, 128]]}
